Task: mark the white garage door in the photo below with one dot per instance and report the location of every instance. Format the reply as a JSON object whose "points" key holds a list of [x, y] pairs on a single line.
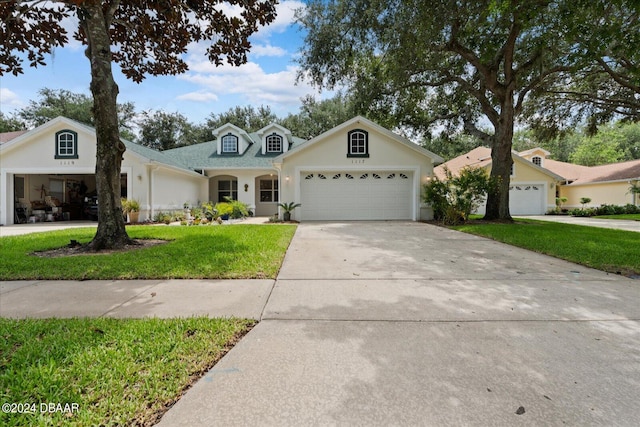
{"points": [[526, 199], [362, 195]]}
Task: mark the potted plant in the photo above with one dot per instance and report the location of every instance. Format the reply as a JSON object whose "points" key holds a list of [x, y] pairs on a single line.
{"points": [[132, 208], [288, 208]]}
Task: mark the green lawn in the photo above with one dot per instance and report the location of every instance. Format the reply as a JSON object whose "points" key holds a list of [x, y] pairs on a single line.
{"points": [[105, 371], [635, 217], [614, 251], [233, 251]]}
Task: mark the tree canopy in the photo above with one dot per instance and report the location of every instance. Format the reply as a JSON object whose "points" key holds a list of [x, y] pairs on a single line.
{"points": [[143, 38]]}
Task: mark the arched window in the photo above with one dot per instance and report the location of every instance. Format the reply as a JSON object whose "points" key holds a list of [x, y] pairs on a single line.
{"points": [[358, 141], [274, 143], [229, 143]]}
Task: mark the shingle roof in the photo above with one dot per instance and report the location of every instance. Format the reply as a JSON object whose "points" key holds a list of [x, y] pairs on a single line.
{"points": [[478, 157], [8, 136], [205, 156], [574, 174], [586, 174]]}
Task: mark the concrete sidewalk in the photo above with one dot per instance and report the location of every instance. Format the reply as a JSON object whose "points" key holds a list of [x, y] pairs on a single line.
{"points": [[134, 298]]}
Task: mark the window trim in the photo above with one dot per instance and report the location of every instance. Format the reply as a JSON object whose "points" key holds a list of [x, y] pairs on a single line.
{"points": [[73, 144], [350, 146], [222, 143], [230, 192]]}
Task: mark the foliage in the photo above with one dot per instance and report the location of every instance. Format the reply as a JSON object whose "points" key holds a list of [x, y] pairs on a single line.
{"points": [[289, 207], [316, 117], [238, 251], [163, 131], [75, 106], [450, 146], [10, 123], [584, 201], [599, 149], [605, 209], [456, 197], [130, 205], [246, 118], [118, 371], [615, 251], [238, 209]]}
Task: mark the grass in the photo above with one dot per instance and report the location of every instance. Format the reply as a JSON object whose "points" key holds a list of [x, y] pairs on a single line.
{"points": [[615, 251], [213, 252], [117, 372], [635, 217]]}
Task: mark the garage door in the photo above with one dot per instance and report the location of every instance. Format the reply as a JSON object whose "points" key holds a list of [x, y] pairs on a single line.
{"points": [[526, 199], [361, 195]]}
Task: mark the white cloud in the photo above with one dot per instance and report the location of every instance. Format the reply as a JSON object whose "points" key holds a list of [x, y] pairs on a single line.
{"points": [[198, 96], [249, 83], [267, 50], [10, 100]]}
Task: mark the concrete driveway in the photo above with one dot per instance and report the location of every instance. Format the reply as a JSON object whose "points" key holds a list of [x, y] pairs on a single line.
{"points": [[393, 323]]}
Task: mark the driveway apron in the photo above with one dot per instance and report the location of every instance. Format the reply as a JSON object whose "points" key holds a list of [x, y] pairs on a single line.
{"points": [[398, 323]]}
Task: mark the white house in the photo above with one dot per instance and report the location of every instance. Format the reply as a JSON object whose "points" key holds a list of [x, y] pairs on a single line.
{"points": [[355, 171]]}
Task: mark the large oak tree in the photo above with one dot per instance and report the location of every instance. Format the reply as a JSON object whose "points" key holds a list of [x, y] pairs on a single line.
{"points": [[143, 38], [476, 65]]}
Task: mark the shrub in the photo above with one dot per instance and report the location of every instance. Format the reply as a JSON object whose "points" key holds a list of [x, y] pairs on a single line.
{"points": [[455, 198]]}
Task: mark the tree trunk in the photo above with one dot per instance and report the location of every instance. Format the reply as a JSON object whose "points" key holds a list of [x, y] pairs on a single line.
{"points": [[501, 164], [111, 231]]}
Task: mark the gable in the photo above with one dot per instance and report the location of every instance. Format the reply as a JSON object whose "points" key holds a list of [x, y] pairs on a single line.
{"points": [[359, 142]]}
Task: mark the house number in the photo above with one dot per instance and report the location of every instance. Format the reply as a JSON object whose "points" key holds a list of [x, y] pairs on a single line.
{"points": [[356, 161], [67, 162]]}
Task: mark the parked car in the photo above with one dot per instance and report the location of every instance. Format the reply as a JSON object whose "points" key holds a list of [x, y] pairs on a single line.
{"points": [[90, 209]]}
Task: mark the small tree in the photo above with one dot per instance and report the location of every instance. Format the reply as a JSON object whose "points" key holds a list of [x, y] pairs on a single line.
{"points": [[456, 197], [584, 201]]}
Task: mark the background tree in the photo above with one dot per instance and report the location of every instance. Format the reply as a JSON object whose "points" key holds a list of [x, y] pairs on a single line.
{"points": [[143, 38], [76, 106], [457, 63], [162, 131], [246, 118], [316, 117], [10, 123]]}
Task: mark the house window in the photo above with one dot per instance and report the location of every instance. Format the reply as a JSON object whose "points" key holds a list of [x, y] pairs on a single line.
{"points": [[268, 190], [274, 143], [66, 145], [229, 143], [537, 160], [358, 143], [227, 188]]}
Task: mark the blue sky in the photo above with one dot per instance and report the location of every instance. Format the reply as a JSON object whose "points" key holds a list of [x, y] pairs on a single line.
{"points": [[267, 79]]}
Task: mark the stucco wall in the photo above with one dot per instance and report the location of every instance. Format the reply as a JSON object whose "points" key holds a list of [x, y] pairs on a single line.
{"points": [[613, 193]]}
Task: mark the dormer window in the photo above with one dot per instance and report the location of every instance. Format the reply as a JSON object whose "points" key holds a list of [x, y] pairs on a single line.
{"points": [[274, 143], [66, 145], [229, 143], [537, 160], [358, 141]]}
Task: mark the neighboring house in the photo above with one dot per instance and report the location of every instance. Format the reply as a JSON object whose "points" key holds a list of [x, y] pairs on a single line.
{"points": [[536, 180], [355, 171]]}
